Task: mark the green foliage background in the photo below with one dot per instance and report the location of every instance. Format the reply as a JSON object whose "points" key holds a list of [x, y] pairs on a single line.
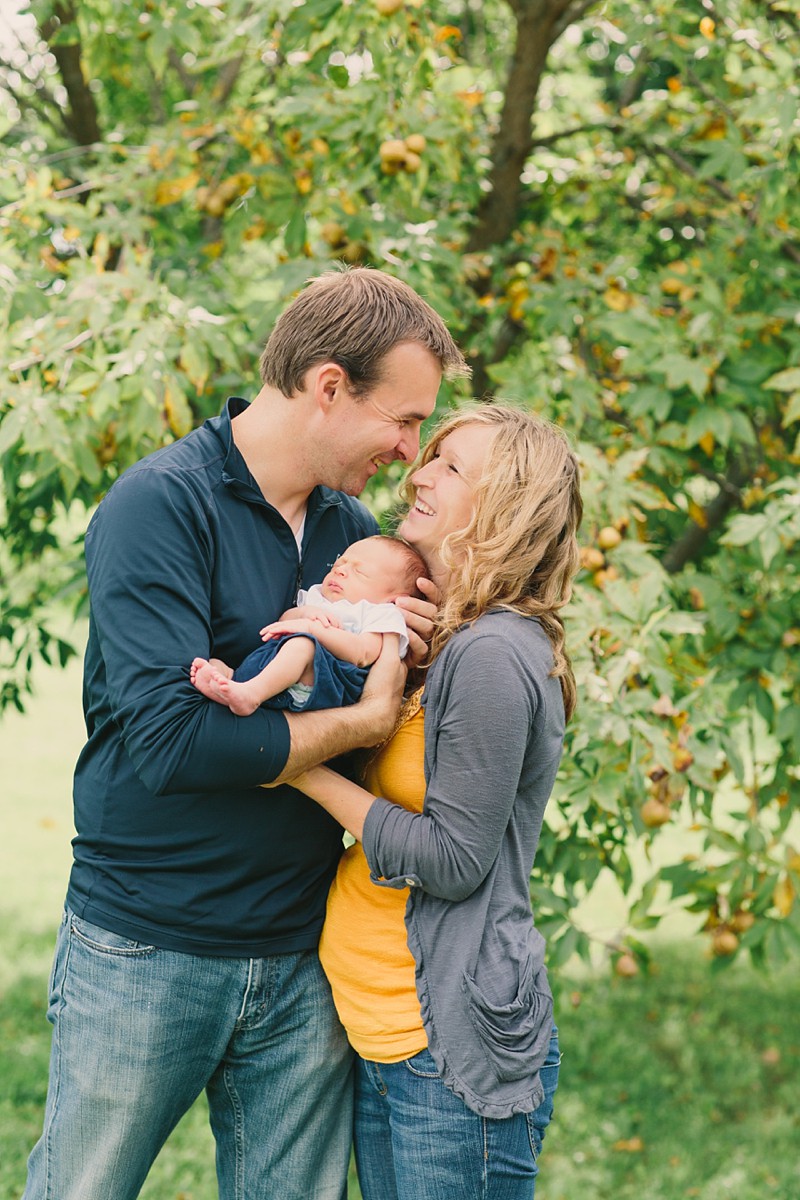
{"points": [[605, 211]]}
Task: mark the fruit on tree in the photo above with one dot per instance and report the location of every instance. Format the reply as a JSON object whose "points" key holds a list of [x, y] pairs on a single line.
{"points": [[592, 559], [608, 537], [682, 759], [605, 575], [654, 812], [393, 150], [724, 942], [626, 966], [334, 234], [416, 143], [742, 920], [387, 7]]}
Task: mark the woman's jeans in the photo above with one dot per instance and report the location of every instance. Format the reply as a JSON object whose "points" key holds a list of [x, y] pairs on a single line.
{"points": [[415, 1140], [138, 1033]]}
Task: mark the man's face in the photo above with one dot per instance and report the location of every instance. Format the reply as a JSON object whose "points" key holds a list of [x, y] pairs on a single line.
{"points": [[385, 425]]}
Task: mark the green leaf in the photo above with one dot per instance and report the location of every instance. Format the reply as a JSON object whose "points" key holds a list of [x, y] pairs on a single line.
{"points": [[295, 232], [682, 371], [340, 76], [784, 381], [792, 411]]}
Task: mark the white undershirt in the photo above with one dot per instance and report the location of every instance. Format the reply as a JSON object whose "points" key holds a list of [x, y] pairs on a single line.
{"points": [[298, 534]]}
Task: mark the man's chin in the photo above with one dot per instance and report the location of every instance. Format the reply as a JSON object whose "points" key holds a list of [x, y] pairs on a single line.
{"points": [[354, 486]]}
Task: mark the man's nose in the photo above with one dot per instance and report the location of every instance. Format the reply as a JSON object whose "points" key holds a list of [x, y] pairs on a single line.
{"points": [[408, 446]]}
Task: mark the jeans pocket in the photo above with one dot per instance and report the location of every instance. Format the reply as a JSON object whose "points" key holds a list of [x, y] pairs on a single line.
{"points": [[422, 1065], [534, 1136], [58, 968], [104, 941], [540, 1118]]}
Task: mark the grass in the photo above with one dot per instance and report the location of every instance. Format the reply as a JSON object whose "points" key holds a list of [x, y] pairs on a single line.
{"points": [[680, 1085]]}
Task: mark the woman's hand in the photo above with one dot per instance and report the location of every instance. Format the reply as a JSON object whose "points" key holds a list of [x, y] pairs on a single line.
{"points": [[419, 616]]}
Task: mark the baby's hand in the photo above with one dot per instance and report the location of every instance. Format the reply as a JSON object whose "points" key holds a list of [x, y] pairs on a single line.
{"points": [[322, 615], [278, 628]]}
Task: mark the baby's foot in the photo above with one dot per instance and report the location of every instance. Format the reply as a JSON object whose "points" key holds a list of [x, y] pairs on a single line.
{"points": [[241, 698], [197, 665], [207, 679]]}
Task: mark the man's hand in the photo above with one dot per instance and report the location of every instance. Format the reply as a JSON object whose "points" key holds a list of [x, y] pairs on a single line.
{"points": [[383, 692], [319, 736], [419, 616]]}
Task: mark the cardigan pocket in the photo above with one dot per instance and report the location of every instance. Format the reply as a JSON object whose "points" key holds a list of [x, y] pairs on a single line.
{"points": [[514, 1035]]}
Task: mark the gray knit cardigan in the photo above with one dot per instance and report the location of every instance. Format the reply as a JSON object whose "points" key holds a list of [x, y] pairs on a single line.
{"points": [[494, 733]]}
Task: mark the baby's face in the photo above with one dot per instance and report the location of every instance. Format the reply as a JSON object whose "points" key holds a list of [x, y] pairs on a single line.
{"points": [[368, 570]]}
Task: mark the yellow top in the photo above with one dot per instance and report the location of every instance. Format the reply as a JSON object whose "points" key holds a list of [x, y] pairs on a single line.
{"points": [[363, 949]]}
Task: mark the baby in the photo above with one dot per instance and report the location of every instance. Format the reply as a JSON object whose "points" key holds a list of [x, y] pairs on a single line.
{"points": [[317, 654]]}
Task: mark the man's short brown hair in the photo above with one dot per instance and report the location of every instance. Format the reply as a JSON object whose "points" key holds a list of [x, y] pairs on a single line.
{"points": [[353, 317]]}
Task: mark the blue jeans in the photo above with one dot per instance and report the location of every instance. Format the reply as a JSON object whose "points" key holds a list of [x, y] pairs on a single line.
{"points": [[139, 1032], [415, 1140]]}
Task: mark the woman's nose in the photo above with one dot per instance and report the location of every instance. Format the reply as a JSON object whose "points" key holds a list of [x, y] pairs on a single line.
{"points": [[423, 475]]}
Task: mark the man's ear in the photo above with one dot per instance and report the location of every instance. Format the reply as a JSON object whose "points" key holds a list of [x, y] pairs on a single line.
{"points": [[330, 383]]}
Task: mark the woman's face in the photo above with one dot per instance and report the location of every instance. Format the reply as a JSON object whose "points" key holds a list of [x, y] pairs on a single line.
{"points": [[445, 488]]}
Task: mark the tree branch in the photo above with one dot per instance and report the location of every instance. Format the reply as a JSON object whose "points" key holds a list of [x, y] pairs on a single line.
{"points": [[573, 12], [787, 248], [188, 81], [227, 79], [34, 102], [590, 127], [692, 544]]}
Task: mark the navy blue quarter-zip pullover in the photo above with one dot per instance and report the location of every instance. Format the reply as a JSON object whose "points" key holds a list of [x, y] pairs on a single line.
{"points": [[176, 843]]}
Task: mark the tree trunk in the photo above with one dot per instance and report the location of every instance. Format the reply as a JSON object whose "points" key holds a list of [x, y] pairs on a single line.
{"points": [[539, 24], [81, 119]]}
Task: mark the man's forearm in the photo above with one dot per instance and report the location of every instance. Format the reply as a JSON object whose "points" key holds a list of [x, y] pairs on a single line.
{"points": [[319, 736]]}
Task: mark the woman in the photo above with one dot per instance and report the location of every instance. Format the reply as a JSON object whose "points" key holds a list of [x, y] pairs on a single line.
{"points": [[451, 1013]]}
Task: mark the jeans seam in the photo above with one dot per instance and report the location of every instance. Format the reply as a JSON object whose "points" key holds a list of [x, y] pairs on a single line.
{"points": [[485, 1132], [238, 1134], [56, 1056]]}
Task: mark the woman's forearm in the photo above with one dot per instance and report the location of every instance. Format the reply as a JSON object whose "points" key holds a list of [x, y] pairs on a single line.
{"points": [[346, 802]]}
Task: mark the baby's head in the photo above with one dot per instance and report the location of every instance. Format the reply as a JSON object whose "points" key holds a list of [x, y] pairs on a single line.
{"points": [[378, 569]]}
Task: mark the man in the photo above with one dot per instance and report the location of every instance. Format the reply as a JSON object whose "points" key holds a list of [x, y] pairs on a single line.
{"points": [[187, 957]]}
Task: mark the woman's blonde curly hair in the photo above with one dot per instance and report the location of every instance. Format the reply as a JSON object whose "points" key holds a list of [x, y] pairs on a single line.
{"points": [[520, 550]]}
